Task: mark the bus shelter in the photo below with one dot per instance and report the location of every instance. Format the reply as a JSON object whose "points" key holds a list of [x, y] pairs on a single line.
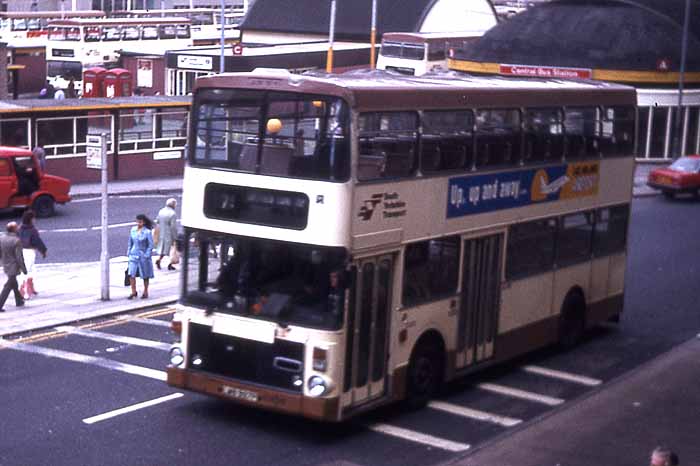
{"points": [[147, 135]]}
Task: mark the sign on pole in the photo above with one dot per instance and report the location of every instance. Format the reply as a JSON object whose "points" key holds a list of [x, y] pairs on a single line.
{"points": [[93, 151]]}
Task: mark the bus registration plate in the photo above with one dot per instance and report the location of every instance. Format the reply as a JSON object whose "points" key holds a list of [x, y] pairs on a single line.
{"points": [[239, 393]]}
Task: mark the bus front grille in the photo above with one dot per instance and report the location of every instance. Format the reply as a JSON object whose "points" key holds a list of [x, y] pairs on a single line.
{"points": [[280, 364]]}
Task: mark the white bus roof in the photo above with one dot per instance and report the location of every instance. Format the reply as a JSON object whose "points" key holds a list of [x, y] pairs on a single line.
{"points": [[379, 90], [118, 21], [429, 36]]}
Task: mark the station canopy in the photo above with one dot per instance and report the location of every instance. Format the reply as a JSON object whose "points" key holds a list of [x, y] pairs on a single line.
{"points": [[611, 40]]}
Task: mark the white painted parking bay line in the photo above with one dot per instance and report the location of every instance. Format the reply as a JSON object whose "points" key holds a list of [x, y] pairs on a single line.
{"points": [[522, 394], [132, 408], [474, 414], [569, 377], [112, 337], [75, 357], [413, 436]]}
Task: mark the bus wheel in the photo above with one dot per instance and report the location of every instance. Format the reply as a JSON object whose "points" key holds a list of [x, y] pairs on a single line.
{"points": [[572, 321], [668, 194], [425, 371], [44, 206]]}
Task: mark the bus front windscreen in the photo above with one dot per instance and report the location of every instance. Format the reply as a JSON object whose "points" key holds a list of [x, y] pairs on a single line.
{"points": [[282, 282], [272, 133]]}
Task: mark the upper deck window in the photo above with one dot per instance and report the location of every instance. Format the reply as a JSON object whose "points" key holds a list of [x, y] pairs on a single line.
{"points": [[498, 137], [272, 133], [130, 33], [388, 142], [183, 31], [73, 34], [167, 31], [56, 33], [93, 33], [149, 32], [19, 24], [447, 142], [111, 33]]}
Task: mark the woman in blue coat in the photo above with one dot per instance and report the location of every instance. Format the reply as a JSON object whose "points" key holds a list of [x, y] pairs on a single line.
{"points": [[139, 253]]}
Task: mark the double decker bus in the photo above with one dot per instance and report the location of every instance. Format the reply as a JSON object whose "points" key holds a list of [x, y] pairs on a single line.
{"points": [[25, 29], [418, 53], [206, 22], [77, 44], [357, 239]]}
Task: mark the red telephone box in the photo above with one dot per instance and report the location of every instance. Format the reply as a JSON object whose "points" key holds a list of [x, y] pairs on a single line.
{"points": [[118, 83], [93, 81]]}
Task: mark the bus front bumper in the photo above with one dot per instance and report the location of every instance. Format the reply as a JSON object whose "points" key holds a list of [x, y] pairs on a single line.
{"points": [[322, 409]]}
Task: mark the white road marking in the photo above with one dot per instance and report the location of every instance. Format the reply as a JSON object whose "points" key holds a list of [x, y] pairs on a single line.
{"points": [[112, 337], [115, 225], [474, 414], [81, 358], [132, 408], [141, 320], [569, 377], [418, 437], [522, 394], [64, 230]]}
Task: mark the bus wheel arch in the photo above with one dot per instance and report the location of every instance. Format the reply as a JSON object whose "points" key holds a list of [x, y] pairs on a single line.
{"points": [[572, 319], [426, 369]]}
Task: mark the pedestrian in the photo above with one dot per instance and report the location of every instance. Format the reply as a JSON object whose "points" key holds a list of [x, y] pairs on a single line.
{"points": [[40, 155], [12, 264], [663, 456], [70, 92], [139, 253], [31, 243], [167, 226]]}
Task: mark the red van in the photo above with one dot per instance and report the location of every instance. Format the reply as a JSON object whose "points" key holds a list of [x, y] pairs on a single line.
{"points": [[24, 184]]}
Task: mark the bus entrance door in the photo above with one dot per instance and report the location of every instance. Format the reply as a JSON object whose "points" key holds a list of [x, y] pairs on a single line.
{"points": [[369, 312], [481, 297]]}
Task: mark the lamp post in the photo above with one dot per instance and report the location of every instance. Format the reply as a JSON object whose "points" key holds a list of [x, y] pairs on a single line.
{"points": [[331, 38], [223, 36], [373, 35], [681, 78]]}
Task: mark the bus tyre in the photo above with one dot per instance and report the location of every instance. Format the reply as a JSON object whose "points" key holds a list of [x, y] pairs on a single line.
{"points": [[44, 206], [425, 371], [572, 322], [668, 194]]}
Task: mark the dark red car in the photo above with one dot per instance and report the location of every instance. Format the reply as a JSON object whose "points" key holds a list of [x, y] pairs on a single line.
{"points": [[24, 184], [682, 176]]}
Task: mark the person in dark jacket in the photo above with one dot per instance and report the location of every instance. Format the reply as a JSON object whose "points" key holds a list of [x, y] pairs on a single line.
{"points": [[12, 264], [31, 244]]}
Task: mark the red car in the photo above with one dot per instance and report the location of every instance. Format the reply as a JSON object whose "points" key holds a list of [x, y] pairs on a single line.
{"points": [[682, 176], [24, 184]]}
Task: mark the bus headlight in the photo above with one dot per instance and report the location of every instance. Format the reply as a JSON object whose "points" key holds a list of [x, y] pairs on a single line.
{"points": [[317, 386], [176, 356]]}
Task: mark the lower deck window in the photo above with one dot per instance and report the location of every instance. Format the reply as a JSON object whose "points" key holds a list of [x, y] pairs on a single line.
{"points": [[270, 280]]}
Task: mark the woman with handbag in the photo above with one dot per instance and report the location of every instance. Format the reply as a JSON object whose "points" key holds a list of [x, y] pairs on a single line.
{"points": [[167, 225], [139, 254], [31, 243]]}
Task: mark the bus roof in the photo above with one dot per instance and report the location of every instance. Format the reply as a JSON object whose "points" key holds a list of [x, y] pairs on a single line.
{"points": [[380, 90], [87, 104], [118, 21], [429, 36], [52, 14]]}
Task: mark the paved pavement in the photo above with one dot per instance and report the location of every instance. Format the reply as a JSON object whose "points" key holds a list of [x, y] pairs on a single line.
{"points": [[650, 405], [71, 292]]}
